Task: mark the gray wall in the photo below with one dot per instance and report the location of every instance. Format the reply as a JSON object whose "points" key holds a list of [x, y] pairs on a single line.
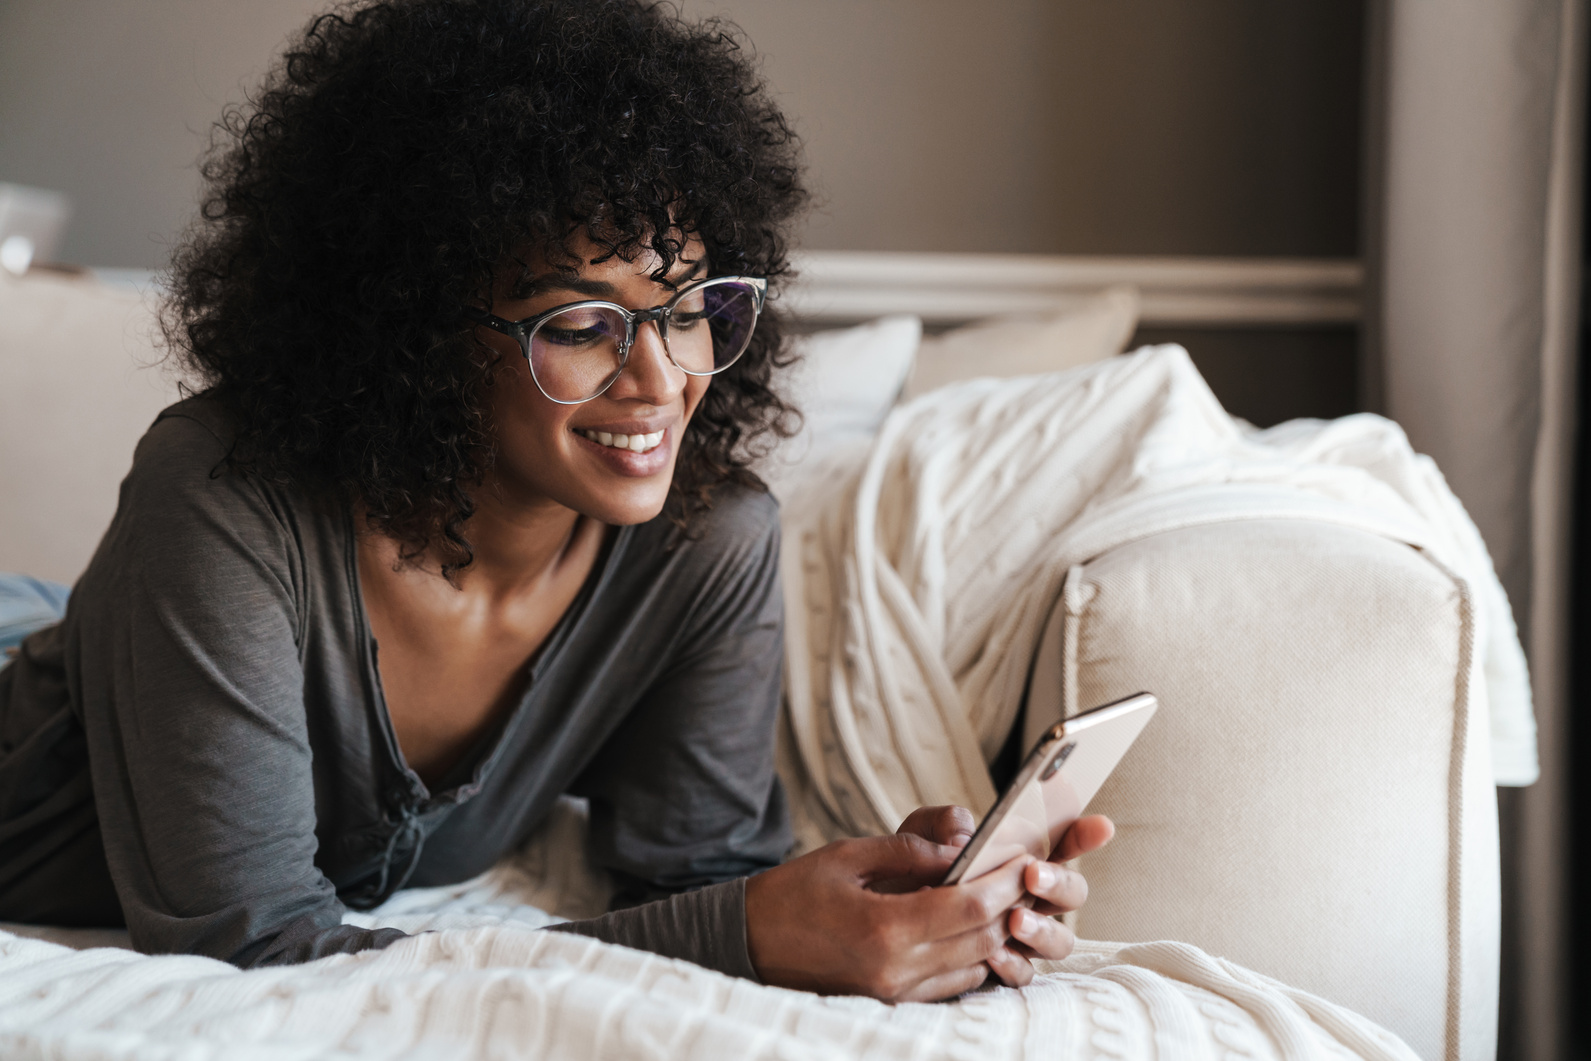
{"points": [[1072, 126], [1062, 126], [111, 101]]}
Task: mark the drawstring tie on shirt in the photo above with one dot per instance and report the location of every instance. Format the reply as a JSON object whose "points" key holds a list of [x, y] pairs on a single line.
{"points": [[407, 831]]}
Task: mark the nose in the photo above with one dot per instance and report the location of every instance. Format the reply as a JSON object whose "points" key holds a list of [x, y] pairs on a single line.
{"points": [[649, 375]]}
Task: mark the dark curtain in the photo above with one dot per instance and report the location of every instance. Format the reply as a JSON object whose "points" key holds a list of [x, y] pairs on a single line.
{"points": [[1577, 1034], [1473, 119]]}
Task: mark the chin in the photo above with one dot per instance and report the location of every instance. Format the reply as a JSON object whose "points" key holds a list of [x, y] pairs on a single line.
{"points": [[616, 501], [620, 487], [623, 512]]}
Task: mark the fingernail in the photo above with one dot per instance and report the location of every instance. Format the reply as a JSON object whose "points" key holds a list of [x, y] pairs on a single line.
{"points": [[1026, 923], [960, 839], [1047, 875]]}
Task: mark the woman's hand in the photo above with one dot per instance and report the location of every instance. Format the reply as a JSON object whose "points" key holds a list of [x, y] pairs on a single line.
{"points": [[1055, 888], [863, 917]]}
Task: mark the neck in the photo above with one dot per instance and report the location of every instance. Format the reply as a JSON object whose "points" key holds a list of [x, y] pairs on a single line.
{"points": [[515, 547], [516, 544]]}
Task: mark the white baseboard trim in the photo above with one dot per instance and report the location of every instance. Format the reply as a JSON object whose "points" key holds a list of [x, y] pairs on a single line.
{"points": [[836, 286]]}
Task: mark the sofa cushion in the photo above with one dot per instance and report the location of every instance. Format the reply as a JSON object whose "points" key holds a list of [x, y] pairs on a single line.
{"points": [[844, 381], [1099, 327]]}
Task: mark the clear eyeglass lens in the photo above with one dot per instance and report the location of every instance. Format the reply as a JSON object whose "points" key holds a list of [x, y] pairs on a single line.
{"points": [[711, 326], [575, 354]]}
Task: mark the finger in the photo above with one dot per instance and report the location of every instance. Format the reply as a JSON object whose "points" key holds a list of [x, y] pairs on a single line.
{"points": [[904, 858], [940, 825], [1057, 887], [980, 905], [1013, 969], [1045, 937], [1084, 835], [931, 959], [948, 912], [947, 985], [947, 958]]}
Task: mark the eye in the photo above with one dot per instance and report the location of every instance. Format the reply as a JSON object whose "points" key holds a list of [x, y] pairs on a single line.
{"points": [[690, 311], [573, 336], [581, 327]]}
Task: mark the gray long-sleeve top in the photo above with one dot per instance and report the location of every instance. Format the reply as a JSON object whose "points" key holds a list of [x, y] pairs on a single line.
{"points": [[200, 749]]}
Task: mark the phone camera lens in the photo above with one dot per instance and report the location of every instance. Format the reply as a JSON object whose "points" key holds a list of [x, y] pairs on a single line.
{"points": [[1055, 763]]}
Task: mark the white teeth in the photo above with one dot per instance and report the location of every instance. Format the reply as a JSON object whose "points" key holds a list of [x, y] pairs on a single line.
{"points": [[633, 443]]}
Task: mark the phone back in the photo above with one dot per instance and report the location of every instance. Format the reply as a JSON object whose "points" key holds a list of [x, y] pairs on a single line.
{"points": [[1056, 783]]}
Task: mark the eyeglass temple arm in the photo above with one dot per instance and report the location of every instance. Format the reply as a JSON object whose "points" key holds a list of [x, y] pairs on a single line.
{"points": [[492, 321]]}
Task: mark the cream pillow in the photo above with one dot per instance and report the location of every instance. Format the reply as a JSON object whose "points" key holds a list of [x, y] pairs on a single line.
{"points": [[79, 385], [845, 384], [1023, 346]]}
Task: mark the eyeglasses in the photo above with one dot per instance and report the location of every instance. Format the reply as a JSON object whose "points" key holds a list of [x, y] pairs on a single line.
{"points": [[576, 351]]}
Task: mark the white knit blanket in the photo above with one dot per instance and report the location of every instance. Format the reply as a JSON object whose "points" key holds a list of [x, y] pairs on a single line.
{"points": [[920, 569], [485, 985]]}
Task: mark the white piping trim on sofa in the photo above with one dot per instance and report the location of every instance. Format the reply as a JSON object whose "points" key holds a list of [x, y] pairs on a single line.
{"points": [[836, 286]]}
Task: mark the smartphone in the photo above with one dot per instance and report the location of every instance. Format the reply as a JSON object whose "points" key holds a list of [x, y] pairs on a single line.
{"points": [[1060, 775]]}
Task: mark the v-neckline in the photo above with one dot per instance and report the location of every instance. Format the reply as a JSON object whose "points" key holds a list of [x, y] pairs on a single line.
{"points": [[483, 753]]}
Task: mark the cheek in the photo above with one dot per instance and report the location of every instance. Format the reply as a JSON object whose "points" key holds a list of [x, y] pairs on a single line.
{"points": [[523, 421], [695, 389]]}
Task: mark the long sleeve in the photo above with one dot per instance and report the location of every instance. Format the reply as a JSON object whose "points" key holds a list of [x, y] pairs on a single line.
{"points": [[707, 927], [191, 695], [684, 795]]}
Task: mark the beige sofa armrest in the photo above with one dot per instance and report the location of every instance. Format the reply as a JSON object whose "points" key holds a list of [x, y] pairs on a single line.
{"points": [[1313, 798], [80, 382]]}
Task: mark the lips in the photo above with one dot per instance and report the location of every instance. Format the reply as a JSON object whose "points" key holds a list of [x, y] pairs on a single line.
{"points": [[646, 450]]}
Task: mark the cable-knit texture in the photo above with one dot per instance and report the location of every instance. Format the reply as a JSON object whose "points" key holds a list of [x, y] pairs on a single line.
{"points": [[919, 571], [482, 983]]}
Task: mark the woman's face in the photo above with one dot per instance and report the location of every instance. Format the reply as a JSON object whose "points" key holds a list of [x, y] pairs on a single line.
{"points": [[547, 451]]}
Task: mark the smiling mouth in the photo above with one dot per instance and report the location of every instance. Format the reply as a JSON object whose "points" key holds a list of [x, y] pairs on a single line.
{"points": [[633, 443]]}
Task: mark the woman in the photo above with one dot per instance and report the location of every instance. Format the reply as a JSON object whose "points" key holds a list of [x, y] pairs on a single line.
{"points": [[476, 301]]}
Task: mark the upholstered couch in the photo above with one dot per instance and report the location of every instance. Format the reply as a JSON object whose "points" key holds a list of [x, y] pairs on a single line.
{"points": [[1314, 802]]}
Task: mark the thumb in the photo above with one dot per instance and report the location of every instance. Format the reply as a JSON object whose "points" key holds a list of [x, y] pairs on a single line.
{"points": [[942, 825], [905, 859]]}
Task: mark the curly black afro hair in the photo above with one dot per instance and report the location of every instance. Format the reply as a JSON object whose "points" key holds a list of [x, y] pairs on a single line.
{"points": [[400, 154]]}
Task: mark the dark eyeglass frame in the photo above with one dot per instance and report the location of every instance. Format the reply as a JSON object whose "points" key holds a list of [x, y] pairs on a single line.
{"points": [[523, 330]]}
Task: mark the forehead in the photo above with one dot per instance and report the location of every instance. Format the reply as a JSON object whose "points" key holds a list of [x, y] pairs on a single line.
{"points": [[584, 269], [578, 254]]}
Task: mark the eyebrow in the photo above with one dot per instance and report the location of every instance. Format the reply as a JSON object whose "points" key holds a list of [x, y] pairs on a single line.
{"points": [[580, 285]]}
